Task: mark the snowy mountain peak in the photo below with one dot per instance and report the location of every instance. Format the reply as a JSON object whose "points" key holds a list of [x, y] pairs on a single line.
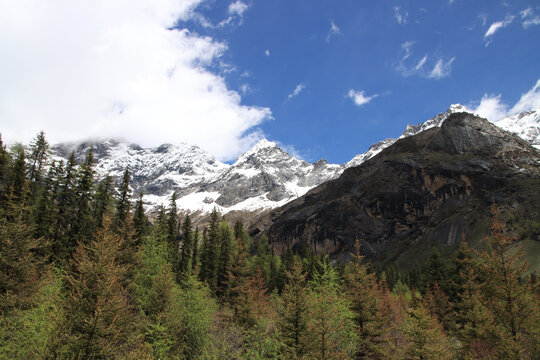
{"points": [[455, 108]]}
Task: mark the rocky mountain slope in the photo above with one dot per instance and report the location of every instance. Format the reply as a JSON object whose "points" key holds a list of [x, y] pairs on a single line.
{"points": [[427, 189], [265, 177]]}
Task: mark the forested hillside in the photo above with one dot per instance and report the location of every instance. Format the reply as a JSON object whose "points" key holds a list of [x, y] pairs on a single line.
{"points": [[86, 275]]}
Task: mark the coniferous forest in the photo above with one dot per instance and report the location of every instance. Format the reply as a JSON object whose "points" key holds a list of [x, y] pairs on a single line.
{"points": [[84, 274]]}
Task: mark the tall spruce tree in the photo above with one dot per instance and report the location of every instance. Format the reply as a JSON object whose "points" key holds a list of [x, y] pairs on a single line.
{"points": [[140, 221], [39, 151], [294, 313], [103, 200], [84, 221], [63, 246], [123, 203], [210, 253], [5, 172], [19, 184], [186, 254], [225, 236], [172, 230]]}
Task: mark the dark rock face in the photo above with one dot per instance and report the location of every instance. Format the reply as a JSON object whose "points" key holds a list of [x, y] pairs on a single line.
{"points": [[431, 188]]}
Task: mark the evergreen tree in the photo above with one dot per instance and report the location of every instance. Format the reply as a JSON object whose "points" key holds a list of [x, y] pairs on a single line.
{"points": [[5, 172], [19, 264], [45, 210], [210, 253], [83, 224], [294, 313], [508, 300], [195, 255], [364, 295], [123, 203], [331, 320], [103, 200], [19, 185], [39, 151], [99, 315], [186, 254], [424, 335], [172, 230], [225, 236], [140, 221], [63, 246]]}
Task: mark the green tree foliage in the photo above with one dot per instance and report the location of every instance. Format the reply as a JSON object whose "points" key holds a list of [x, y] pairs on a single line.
{"points": [[294, 314], [331, 323], [103, 200], [63, 246], [100, 319], [123, 203], [370, 317], [509, 301], [172, 229], [19, 184], [140, 221], [210, 253], [225, 239], [5, 173], [39, 152], [84, 221], [425, 338], [186, 253]]}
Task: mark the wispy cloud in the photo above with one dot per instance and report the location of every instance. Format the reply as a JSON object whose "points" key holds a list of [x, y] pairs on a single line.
{"points": [[297, 90], [359, 97], [401, 16], [267, 52], [496, 26], [529, 18], [441, 69], [409, 67], [334, 31], [236, 11]]}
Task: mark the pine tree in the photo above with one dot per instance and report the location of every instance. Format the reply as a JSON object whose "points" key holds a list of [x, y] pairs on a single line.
{"points": [[39, 151], [508, 300], [19, 185], [294, 313], [172, 230], [425, 336], [63, 246], [225, 237], [83, 225], [123, 203], [103, 200], [5, 173], [45, 210], [210, 253], [140, 221], [195, 255], [99, 315], [186, 253], [364, 295], [19, 264], [332, 321]]}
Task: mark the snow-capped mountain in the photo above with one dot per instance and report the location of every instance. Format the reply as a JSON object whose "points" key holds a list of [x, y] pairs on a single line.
{"points": [[262, 178]]}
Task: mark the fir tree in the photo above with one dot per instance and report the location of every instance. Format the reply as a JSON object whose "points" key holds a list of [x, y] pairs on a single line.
{"points": [[123, 203], [186, 254], [508, 300], [99, 315], [294, 313], [83, 224], [103, 200], [63, 246], [140, 221], [172, 230], [5, 173], [332, 324], [195, 255], [210, 253], [19, 185], [39, 149], [225, 241]]}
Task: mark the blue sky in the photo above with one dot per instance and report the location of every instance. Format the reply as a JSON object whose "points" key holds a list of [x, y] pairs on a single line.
{"points": [[331, 47], [325, 79]]}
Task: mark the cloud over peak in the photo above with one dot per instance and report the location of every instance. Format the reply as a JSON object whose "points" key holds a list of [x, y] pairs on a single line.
{"points": [[99, 68]]}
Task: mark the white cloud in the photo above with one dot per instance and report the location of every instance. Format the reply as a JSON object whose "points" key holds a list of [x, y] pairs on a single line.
{"points": [[494, 109], [401, 16], [421, 63], [99, 68], [529, 100], [359, 97], [334, 31], [441, 69], [237, 8], [245, 89], [297, 90], [496, 26], [406, 48], [267, 52], [491, 108], [529, 18]]}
